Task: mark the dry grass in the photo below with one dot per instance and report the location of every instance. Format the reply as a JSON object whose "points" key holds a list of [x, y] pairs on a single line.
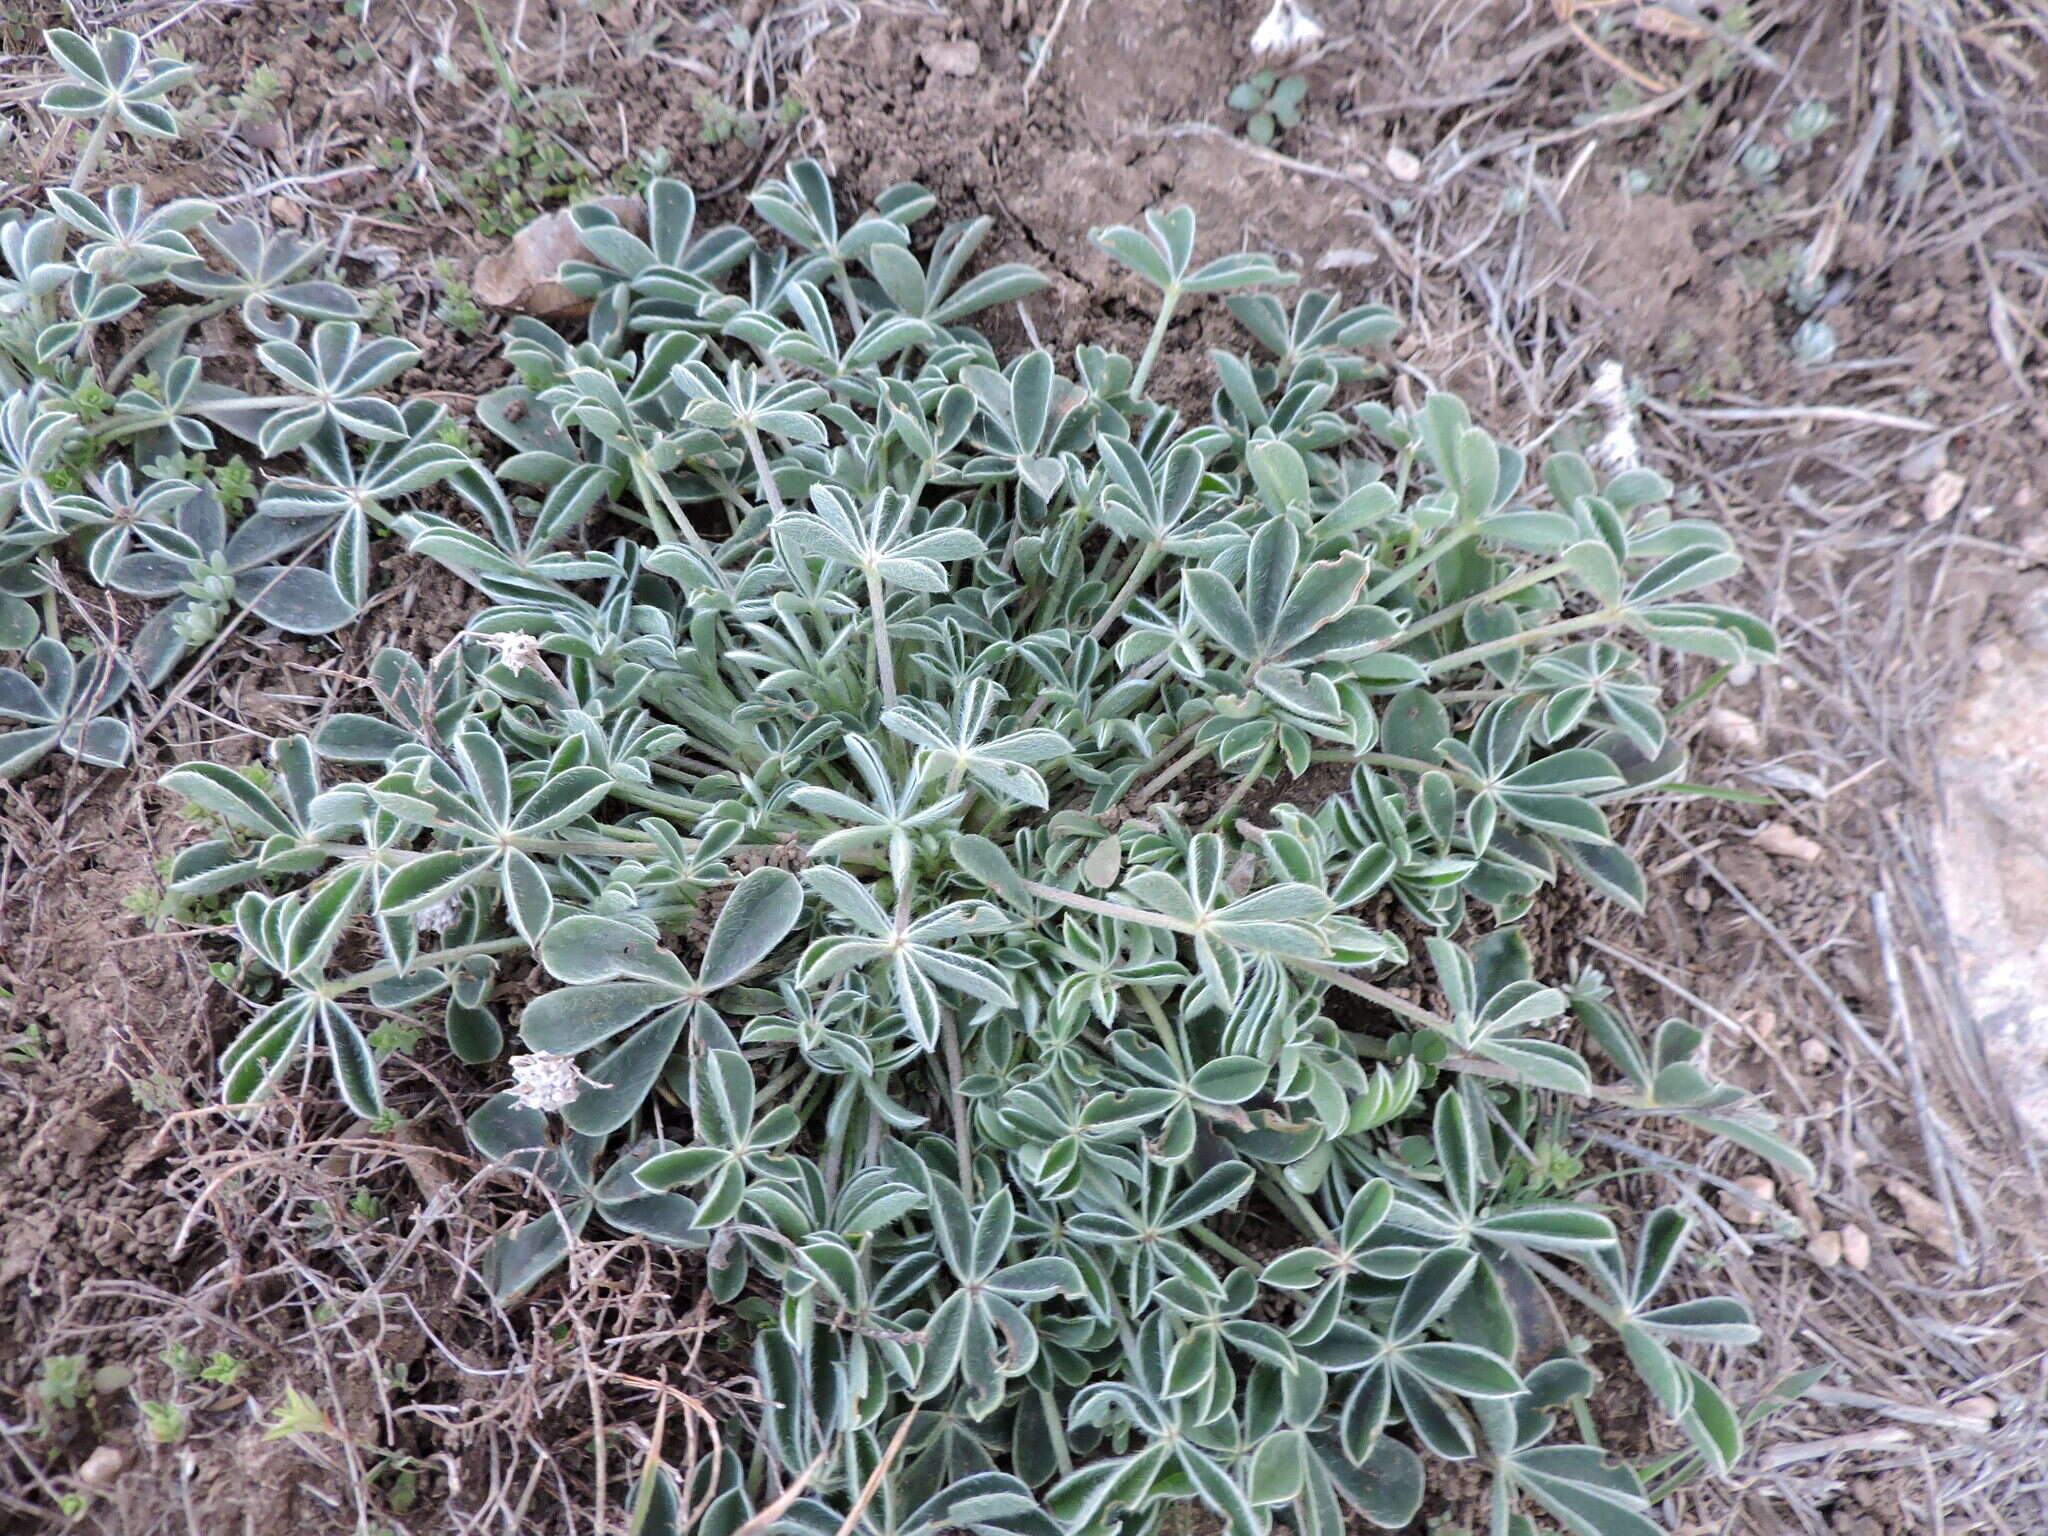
{"points": [[1861, 602]]}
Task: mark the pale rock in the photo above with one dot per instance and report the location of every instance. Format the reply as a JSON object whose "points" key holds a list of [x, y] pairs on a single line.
{"points": [[1991, 858], [1825, 1249], [1856, 1248], [961, 58], [523, 275], [1755, 1211], [1782, 842], [286, 212], [1924, 1216], [1815, 1053], [1984, 1410], [1799, 1196], [1944, 495], [1733, 731], [101, 1468], [1401, 165]]}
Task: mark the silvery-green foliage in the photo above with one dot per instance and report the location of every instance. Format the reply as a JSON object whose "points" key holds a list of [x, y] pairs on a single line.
{"points": [[883, 750], [111, 471], [110, 78]]}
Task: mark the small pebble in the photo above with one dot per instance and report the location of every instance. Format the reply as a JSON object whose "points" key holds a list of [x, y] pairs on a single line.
{"points": [[1780, 841], [1825, 1249], [101, 1468], [961, 59], [287, 212], [1734, 731], [1856, 1248], [1402, 165], [1944, 495], [1983, 1409], [1747, 1212], [1815, 1053]]}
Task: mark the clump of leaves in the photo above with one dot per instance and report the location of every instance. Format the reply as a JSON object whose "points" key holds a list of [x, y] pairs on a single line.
{"points": [[722, 122], [1272, 103], [533, 172], [888, 754], [111, 471]]}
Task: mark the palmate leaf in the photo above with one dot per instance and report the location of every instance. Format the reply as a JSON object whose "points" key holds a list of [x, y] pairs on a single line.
{"points": [[110, 75], [269, 275], [1164, 257], [59, 703]]}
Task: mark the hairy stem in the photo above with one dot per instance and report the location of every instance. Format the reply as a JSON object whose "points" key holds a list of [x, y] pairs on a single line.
{"points": [[767, 476], [89, 157], [1542, 632], [1147, 563], [885, 657], [1168, 302]]}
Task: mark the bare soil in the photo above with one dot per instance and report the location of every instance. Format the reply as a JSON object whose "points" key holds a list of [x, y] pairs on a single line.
{"points": [[1537, 241]]}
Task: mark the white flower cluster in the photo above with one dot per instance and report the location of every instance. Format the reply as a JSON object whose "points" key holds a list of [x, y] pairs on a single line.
{"points": [[547, 1082], [516, 652]]}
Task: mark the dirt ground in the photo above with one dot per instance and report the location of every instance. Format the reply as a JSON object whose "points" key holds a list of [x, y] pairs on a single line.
{"points": [[1538, 191]]}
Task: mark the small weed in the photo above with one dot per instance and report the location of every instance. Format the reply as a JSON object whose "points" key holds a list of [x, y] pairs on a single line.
{"points": [[394, 1037], [720, 122], [166, 1422], [155, 1094], [1273, 101], [458, 308], [297, 1414], [256, 101], [1760, 162], [223, 1369], [400, 1478], [63, 1383], [1809, 120], [27, 1045], [181, 1360], [532, 173]]}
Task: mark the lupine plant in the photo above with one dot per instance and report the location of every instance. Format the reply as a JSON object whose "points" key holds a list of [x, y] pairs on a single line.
{"points": [[109, 458], [1019, 880]]}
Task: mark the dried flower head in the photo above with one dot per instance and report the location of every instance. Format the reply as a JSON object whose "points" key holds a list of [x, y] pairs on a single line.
{"points": [[1617, 449], [439, 917], [517, 652], [1287, 29]]}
